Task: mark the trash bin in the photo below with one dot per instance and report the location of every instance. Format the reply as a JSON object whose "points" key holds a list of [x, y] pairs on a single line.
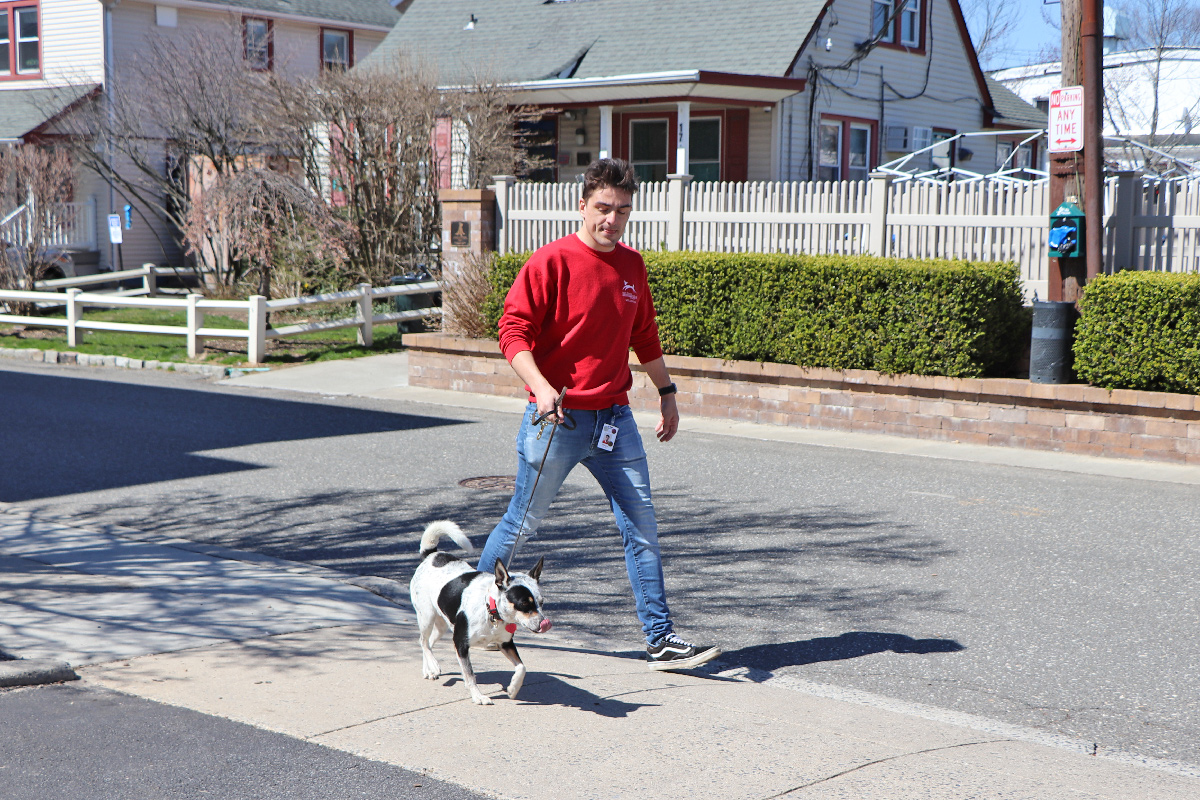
{"points": [[1050, 348], [409, 302]]}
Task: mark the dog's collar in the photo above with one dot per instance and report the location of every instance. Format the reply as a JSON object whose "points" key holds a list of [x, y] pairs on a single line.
{"points": [[494, 615]]}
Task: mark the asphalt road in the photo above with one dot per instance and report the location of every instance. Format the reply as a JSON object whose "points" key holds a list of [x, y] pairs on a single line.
{"points": [[71, 742], [1056, 600]]}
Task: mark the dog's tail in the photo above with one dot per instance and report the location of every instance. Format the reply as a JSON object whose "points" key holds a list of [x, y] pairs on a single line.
{"points": [[443, 527]]}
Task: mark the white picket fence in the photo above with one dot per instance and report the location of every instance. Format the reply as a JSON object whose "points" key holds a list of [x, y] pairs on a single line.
{"points": [[256, 333], [1149, 224]]}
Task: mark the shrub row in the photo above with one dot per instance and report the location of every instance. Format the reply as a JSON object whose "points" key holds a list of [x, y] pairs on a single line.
{"points": [[895, 316], [1140, 330]]}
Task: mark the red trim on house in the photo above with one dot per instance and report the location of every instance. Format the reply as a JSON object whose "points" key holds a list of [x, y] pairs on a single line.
{"points": [[844, 155], [270, 42], [9, 7], [621, 132], [735, 144], [919, 48], [759, 81]]}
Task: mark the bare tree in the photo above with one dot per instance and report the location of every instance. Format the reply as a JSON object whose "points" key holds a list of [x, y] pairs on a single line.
{"points": [[490, 131], [190, 95], [35, 183], [365, 141], [268, 222], [991, 24], [1135, 94]]}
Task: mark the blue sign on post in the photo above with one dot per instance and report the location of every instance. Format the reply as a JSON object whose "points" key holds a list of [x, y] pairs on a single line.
{"points": [[128, 216]]}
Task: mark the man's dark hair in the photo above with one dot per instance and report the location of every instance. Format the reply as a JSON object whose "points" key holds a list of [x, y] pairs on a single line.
{"points": [[615, 172]]}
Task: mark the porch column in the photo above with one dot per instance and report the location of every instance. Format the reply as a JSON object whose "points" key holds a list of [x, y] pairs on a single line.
{"points": [[606, 149], [683, 137]]}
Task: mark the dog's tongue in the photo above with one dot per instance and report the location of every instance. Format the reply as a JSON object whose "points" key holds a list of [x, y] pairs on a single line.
{"points": [[546, 625]]}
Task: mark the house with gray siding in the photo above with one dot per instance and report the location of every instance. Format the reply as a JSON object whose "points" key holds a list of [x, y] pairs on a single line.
{"points": [[726, 90]]}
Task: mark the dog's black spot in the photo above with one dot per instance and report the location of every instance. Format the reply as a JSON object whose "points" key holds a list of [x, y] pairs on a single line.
{"points": [[462, 634], [450, 598], [510, 647], [442, 559], [522, 599]]}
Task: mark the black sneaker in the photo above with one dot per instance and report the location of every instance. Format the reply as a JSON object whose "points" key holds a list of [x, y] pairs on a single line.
{"points": [[671, 652]]}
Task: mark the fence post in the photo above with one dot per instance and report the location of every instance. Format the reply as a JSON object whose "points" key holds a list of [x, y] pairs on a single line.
{"points": [[256, 344], [1122, 255], [881, 184], [150, 280], [72, 317], [366, 316], [195, 320], [675, 194], [501, 186]]}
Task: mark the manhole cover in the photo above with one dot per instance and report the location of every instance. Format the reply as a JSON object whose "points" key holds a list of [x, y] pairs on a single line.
{"points": [[507, 483]]}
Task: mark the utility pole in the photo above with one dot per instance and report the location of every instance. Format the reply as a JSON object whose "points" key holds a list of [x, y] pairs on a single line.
{"points": [[1080, 175]]}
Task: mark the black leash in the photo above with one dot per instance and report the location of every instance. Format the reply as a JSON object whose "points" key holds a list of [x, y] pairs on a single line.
{"points": [[568, 423]]}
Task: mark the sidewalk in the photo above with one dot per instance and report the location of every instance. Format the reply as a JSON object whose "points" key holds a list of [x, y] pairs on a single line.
{"points": [[301, 651]]}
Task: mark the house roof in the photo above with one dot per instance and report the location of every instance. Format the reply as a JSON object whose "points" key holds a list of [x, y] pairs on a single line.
{"points": [[1011, 110], [24, 110], [376, 13], [529, 40]]}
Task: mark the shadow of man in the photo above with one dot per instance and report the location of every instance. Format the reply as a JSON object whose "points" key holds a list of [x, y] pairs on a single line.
{"points": [[771, 657]]}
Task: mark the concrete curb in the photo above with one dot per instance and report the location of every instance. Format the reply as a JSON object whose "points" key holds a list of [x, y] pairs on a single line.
{"points": [[34, 671], [121, 362]]}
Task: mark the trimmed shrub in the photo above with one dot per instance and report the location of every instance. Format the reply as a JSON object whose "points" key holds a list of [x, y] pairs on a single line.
{"points": [[1140, 330], [848, 312]]}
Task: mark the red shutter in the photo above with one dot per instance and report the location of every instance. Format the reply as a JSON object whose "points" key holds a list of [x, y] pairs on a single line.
{"points": [[735, 161], [441, 150]]}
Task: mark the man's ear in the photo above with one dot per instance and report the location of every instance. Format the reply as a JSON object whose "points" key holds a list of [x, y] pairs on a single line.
{"points": [[501, 573], [536, 572]]}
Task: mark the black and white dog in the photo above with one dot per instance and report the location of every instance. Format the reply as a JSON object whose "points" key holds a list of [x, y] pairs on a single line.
{"points": [[483, 609]]}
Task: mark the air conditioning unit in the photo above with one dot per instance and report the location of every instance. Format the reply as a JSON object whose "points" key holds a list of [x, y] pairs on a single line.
{"points": [[922, 138], [895, 139]]}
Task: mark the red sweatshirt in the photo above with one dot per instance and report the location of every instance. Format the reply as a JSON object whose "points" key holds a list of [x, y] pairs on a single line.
{"points": [[580, 311]]}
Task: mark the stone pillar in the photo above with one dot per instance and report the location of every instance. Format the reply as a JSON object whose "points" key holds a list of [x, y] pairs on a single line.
{"points": [[468, 230]]}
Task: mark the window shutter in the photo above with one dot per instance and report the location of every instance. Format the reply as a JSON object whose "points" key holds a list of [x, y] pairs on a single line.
{"points": [[737, 145]]}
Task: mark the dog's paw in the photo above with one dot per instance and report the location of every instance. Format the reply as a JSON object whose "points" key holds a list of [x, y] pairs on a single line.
{"points": [[431, 674], [482, 700]]}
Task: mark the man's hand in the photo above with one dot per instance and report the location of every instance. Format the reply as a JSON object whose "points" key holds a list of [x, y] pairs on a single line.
{"points": [[668, 424], [545, 394]]}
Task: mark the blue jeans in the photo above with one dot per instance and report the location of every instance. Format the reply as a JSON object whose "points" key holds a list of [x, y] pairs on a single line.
{"points": [[625, 479]]}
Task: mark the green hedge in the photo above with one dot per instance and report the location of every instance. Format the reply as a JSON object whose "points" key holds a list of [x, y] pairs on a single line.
{"points": [[895, 316], [1140, 330]]}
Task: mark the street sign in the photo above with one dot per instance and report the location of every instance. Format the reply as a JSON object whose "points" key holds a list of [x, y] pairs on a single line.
{"points": [[1066, 119], [114, 228]]}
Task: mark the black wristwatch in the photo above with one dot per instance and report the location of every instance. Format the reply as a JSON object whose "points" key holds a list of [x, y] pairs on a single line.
{"points": [[670, 388]]}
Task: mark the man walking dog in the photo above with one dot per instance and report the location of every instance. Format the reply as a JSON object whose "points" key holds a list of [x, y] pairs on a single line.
{"points": [[576, 308]]}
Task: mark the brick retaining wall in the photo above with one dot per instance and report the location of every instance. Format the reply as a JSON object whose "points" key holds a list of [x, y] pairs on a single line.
{"points": [[1072, 418]]}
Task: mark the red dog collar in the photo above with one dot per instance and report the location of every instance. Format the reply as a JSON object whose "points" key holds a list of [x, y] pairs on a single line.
{"points": [[494, 613]]}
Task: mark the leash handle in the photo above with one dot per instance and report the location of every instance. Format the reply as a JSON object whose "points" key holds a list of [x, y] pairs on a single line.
{"points": [[555, 412]]}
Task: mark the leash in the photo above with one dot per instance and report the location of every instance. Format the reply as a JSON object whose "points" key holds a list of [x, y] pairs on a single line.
{"points": [[568, 423]]}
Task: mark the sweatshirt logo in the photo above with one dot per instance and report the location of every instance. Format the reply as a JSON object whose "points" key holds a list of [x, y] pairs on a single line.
{"points": [[629, 293]]}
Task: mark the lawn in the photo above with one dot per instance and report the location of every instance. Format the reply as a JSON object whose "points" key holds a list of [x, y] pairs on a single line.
{"points": [[319, 346]]}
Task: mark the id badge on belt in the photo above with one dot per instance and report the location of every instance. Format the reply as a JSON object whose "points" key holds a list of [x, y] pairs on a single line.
{"points": [[608, 437]]}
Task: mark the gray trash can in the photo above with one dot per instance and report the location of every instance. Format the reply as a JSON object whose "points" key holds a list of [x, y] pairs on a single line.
{"points": [[1050, 349], [408, 302]]}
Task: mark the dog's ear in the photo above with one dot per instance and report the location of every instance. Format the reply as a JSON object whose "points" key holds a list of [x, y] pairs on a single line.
{"points": [[536, 572], [501, 573]]}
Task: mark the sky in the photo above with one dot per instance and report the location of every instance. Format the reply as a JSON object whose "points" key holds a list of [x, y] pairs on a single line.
{"points": [[1031, 35]]}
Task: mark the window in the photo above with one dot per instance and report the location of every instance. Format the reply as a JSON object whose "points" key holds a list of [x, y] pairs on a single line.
{"points": [[337, 49], [704, 156], [897, 21], [1006, 160], [20, 39], [258, 41], [648, 149], [844, 149]]}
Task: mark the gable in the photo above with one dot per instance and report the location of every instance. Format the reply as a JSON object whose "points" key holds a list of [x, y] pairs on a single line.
{"points": [[525, 40]]}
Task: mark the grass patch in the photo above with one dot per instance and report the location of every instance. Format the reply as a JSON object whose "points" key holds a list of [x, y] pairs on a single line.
{"points": [[319, 346]]}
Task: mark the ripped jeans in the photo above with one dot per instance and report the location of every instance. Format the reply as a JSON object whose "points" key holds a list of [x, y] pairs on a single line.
{"points": [[625, 479]]}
